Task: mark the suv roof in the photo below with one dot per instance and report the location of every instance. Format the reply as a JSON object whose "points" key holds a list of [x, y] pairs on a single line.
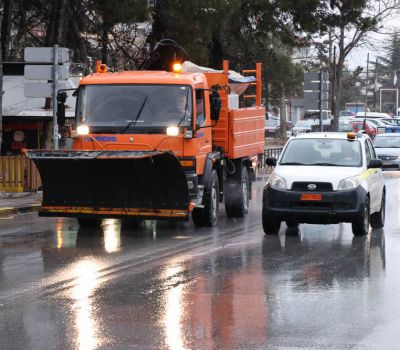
{"points": [[328, 135]]}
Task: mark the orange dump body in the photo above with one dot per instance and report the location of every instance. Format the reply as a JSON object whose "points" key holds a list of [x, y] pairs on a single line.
{"points": [[239, 132]]}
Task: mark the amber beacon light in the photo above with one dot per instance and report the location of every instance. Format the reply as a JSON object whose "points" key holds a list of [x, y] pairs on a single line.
{"points": [[177, 68]]}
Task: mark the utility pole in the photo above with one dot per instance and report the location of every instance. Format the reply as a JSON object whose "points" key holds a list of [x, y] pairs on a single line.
{"points": [[375, 81], [1, 88], [366, 94], [334, 99], [321, 94], [55, 90]]}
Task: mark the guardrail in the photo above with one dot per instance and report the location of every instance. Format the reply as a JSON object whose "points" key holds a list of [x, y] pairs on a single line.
{"points": [[18, 174]]}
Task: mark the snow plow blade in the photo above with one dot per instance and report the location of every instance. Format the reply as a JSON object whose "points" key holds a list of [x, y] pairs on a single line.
{"points": [[112, 184]]}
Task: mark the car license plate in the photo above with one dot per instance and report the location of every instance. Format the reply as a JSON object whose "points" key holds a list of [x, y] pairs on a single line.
{"points": [[311, 197]]}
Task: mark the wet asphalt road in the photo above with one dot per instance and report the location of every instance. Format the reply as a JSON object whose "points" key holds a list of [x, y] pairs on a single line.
{"points": [[230, 287]]}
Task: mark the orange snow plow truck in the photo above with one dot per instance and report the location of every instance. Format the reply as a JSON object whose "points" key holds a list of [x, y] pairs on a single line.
{"points": [[156, 145]]}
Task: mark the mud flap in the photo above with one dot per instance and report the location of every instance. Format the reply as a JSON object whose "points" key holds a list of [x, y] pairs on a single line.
{"points": [[112, 184]]}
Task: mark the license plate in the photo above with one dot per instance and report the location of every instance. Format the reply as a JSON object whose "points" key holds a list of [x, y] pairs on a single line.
{"points": [[311, 197]]}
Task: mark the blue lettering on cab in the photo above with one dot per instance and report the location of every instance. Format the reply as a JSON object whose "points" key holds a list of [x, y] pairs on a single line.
{"points": [[103, 138]]}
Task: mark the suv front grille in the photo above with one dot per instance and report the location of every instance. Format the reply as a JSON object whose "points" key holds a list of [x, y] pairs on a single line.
{"points": [[320, 186]]}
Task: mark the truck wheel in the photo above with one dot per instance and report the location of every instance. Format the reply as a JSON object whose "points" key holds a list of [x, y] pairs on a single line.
{"points": [[208, 216], [270, 225], [237, 196], [89, 222], [378, 219], [361, 226]]}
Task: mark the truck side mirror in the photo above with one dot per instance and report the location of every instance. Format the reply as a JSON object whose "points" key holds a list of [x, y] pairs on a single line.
{"points": [[61, 98], [215, 105]]}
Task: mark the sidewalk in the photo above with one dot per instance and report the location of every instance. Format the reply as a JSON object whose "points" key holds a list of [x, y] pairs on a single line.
{"points": [[11, 204]]}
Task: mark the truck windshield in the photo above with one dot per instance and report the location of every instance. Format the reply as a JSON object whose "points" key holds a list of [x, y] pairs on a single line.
{"points": [[134, 106], [323, 152]]}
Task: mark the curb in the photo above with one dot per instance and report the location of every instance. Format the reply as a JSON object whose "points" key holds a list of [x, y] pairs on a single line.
{"points": [[6, 212]]}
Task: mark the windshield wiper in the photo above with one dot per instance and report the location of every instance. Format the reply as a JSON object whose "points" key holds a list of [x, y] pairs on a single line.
{"points": [[324, 164], [292, 163], [133, 122]]}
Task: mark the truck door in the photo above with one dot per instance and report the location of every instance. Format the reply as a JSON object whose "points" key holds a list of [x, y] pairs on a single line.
{"points": [[203, 130]]}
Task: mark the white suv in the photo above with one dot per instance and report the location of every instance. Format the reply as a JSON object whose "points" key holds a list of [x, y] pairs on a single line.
{"points": [[325, 178]]}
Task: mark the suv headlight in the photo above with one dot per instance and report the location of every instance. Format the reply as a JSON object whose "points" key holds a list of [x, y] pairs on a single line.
{"points": [[276, 181], [349, 183]]}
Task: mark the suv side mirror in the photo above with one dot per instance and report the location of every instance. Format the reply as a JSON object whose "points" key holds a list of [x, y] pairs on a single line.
{"points": [[215, 105], [61, 98], [271, 161], [374, 164]]}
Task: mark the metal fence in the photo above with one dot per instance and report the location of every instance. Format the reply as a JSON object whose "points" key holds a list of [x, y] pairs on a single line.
{"points": [[18, 174], [271, 152]]}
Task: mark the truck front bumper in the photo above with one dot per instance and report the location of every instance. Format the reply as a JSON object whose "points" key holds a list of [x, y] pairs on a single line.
{"points": [[334, 206]]}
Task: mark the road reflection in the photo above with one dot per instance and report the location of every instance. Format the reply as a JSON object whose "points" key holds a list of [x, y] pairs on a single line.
{"points": [[107, 236], [214, 306], [86, 283], [112, 235], [314, 261], [173, 315]]}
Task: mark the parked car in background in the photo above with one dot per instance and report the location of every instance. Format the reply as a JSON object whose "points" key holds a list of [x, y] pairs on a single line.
{"points": [[372, 115], [345, 127], [369, 128], [387, 148], [271, 128], [346, 119], [346, 113], [302, 126], [379, 124], [391, 121]]}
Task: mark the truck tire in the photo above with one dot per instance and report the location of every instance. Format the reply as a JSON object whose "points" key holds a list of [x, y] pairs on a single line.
{"points": [[89, 222], [237, 195], [270, 225], [360, 227], [208, 216], [378, 219]]}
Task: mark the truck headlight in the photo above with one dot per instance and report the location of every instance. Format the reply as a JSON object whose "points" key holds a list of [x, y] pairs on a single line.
{"points": [[82, 130], [172, 131], [349, 183], [276, 181]]}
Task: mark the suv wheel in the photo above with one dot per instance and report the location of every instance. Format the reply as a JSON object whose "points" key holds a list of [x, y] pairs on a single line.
{"points": [[378, 219], [361, 226], [270, 225]]}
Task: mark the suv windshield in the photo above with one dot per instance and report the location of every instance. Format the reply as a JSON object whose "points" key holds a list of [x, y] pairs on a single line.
{"points": [[328, 152], [134, 106]]}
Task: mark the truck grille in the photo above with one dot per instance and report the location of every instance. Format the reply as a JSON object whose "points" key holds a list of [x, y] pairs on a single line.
{"points": [[320, 186]]}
